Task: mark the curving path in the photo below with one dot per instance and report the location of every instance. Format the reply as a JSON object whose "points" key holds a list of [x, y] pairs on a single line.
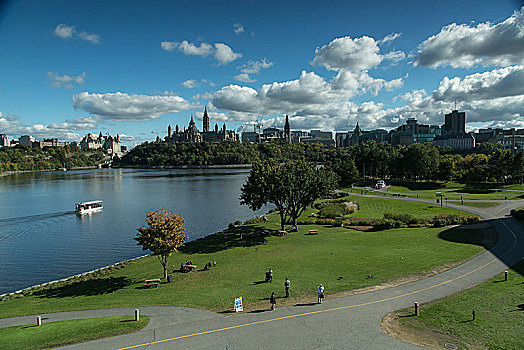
{"points": [[352, 322]]}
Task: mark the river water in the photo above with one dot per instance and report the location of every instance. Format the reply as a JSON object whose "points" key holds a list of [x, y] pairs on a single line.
{"points": [[41, 239]]}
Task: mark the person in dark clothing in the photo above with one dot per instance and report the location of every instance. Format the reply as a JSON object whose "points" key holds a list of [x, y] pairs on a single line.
{"points": [[287, 284], [273, 301]]}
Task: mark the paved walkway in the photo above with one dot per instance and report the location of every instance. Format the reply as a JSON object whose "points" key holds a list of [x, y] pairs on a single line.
{"points": [[345, 323]]}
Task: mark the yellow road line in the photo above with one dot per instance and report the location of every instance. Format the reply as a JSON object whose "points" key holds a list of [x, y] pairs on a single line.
{"points": [[332, 309]]}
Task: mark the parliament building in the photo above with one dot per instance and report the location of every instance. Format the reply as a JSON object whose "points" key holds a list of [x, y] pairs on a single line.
{"points": [[191, 134]]}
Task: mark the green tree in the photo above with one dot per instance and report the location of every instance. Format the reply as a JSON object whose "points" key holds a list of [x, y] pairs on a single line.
{"points": [[163, 235], [291, 187], [420, 161], [347, 171], [499, 165]]}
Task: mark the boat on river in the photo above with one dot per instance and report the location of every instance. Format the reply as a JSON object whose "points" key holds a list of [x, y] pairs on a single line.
{"points": [[88, 207]]}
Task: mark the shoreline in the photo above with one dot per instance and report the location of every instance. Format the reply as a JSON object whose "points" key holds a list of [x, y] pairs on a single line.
{"points": [[159, 167], [45, 284], [15, 172], [214, 166]]}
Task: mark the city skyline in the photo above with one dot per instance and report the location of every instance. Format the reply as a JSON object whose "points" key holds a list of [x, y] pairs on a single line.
{"points": [[126, 68]]}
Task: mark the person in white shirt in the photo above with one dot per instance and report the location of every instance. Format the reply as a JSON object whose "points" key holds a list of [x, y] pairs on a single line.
{"points": [[320, 293]]}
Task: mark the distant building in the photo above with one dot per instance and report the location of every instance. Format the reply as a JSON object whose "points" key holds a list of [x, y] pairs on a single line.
{"points": [[250, 136], [420, 133], [287, 130], [454, 123], [319, 134], [401, 138], [26, 140], [458, 141], [4, 141], [509, 138], [193, 135], [323, 140], [106, 142], [49, 143]]}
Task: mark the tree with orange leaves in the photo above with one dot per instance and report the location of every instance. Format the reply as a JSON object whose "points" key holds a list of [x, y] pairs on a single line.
{"points": [[163, 235]]}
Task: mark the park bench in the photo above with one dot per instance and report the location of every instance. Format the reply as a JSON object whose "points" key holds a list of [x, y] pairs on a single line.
{"points": [[151, 283], [313, 232]]}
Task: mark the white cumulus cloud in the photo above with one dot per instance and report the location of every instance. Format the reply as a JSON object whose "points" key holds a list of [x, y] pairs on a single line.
{"points": [[68, 32], [65, 81], [389, 38], [92, 38], [222, 53], [252, 67], [238, 28], [487, 44], [190, 84], [349, 54], [124, 107], [64, 31]]}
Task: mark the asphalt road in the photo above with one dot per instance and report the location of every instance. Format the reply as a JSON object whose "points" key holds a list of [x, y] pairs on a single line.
{"points": [[352, 322]]}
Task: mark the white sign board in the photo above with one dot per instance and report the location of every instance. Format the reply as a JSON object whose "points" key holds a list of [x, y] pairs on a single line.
{"points": [[238, 305]]}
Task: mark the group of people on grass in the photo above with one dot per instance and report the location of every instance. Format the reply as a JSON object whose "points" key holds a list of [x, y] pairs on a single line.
{"points": [[287, 285], [189, 265]]}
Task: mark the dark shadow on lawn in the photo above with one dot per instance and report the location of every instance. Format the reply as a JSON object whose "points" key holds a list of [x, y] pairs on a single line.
{"points": [[508, 255], [242, 236], [463, 234], [418, 186], [86, 288], [466, 321]]}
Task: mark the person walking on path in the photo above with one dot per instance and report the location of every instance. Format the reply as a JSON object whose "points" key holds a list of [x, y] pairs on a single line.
{"points": [[320, 293], [287, 284], [273, 301]]}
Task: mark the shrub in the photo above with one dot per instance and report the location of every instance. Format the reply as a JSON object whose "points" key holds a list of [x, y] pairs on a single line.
{"points": [[336, 208], [446, 220], [315, 221], [256, 220], [360, 222], [386, 224], [407, 219]]}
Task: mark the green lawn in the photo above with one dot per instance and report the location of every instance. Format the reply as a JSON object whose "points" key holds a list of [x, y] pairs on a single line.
{"points": [[337, 257], [499, 314], [61, 333], [376, 207], [453, 190]]}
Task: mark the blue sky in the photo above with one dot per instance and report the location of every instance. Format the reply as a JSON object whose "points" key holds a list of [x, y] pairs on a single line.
{"points": [[132, 67]]}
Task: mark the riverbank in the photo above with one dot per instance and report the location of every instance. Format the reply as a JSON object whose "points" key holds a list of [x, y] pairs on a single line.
{"points": [[165, 167], [7, 173]]}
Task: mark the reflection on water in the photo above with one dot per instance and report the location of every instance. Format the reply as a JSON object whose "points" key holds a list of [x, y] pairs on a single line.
{"points": [[41, 239]]}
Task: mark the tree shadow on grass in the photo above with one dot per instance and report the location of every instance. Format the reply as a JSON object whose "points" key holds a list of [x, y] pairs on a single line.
{"points": [[418, 186], [469, 235], [487, 238], [242, 236], [97, 286]]}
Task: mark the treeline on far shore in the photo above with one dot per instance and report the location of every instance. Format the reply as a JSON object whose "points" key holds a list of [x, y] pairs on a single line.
{"points": [[25, 158], [486, 163]]}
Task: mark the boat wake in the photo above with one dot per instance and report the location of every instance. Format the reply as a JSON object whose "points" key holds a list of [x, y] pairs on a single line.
{"points": [[12, 227]]}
